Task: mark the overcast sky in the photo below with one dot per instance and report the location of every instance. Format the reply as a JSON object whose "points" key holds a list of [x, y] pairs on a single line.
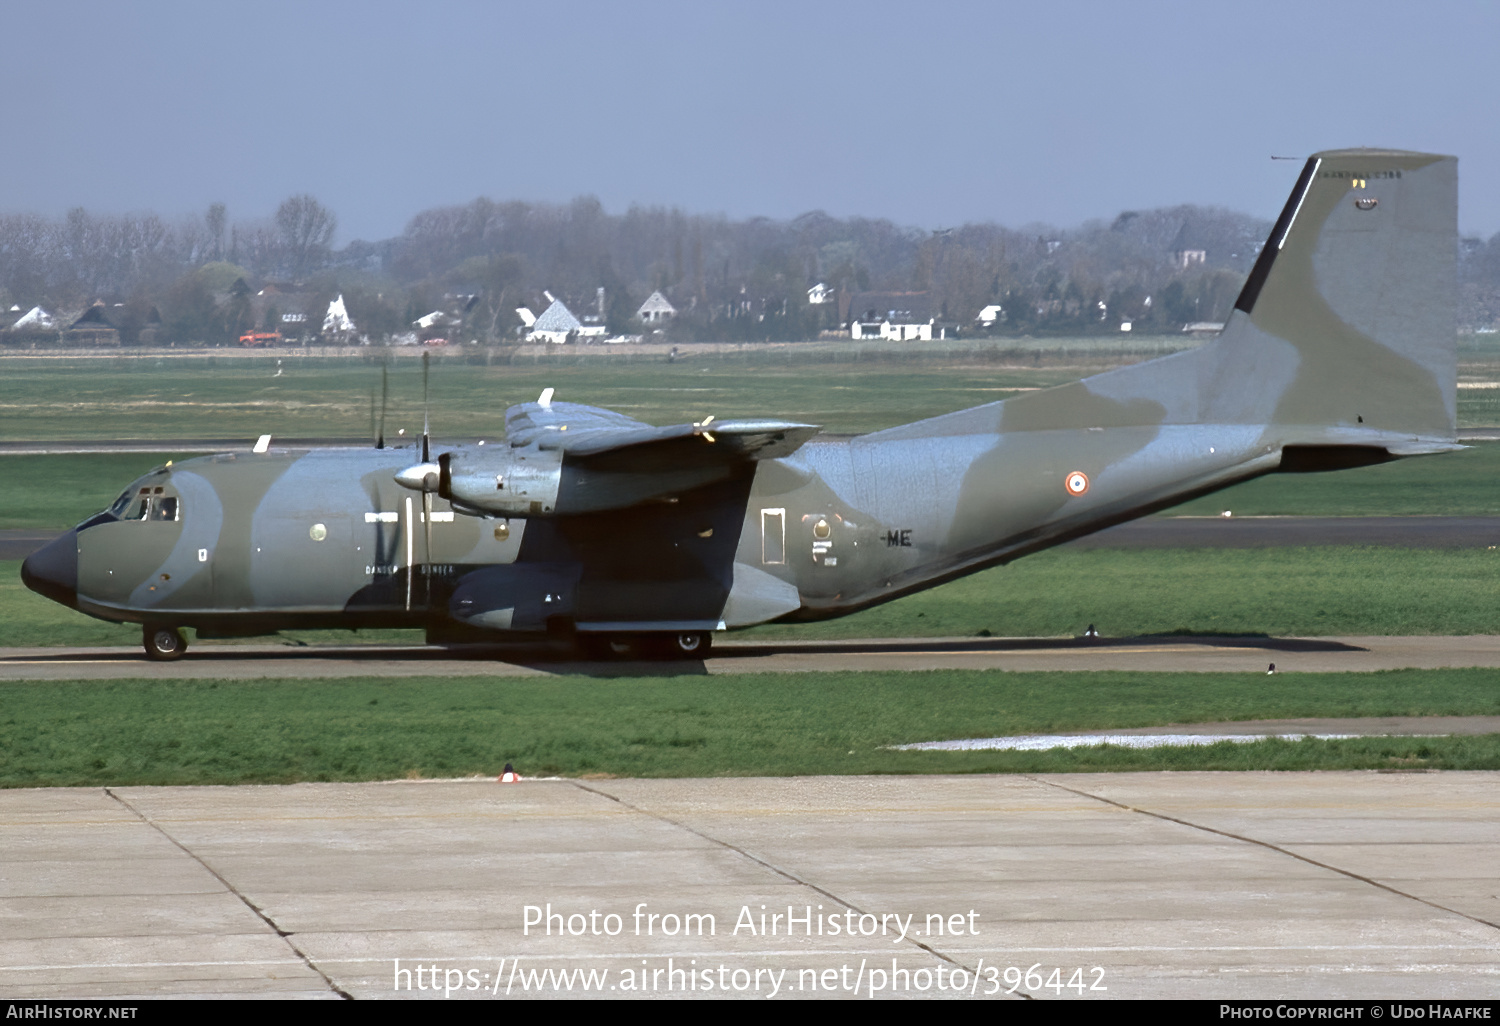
{"points": [[928, 114]]}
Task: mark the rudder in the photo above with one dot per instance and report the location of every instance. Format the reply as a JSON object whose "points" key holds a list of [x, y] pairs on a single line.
{"points": [[1348, 314]]}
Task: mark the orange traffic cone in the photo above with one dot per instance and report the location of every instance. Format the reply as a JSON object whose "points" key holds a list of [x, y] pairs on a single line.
{"points": [[509, 775]]}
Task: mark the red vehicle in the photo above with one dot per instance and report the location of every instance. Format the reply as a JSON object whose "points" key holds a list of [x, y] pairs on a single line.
{"points": [[260, 338]]}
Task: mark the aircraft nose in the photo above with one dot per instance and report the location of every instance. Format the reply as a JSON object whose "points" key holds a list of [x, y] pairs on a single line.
{"points": [[52, 570]]}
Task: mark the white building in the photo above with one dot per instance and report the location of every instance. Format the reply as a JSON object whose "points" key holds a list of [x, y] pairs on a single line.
{"points": [[336, 321], [819, 294], [656, 309], [557, 323], [36, 317], [900, 316]]}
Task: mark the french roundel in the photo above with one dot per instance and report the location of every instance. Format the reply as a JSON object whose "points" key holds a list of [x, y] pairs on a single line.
{"points": [[1076, 483]]}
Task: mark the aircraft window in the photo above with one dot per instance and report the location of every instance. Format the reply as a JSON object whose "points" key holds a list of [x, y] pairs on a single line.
{"points": [[142, 510], [121, 504], [166, 508]]}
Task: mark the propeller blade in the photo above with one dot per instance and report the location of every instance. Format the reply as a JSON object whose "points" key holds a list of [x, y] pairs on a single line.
{"points": [[385, 394], [372, 413], [426, 444], [427, 525]]}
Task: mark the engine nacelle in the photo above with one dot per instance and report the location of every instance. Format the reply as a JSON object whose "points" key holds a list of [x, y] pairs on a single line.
{"points": [[512, 483], [503, 482]]}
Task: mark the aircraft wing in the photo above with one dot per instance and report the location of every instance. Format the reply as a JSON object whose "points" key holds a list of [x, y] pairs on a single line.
{"points": [[604, 439], [526, 422]]}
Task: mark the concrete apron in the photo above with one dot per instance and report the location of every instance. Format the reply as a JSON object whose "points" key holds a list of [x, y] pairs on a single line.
{"points": [[1197, 885]]}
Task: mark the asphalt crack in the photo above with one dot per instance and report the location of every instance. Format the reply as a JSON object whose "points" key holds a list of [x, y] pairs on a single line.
{"points": [[260, 913], [772, 867], [1270, 847]]}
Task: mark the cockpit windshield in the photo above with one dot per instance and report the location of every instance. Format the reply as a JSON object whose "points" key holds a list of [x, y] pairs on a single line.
{"points": [[146, 503], [118, 509]]}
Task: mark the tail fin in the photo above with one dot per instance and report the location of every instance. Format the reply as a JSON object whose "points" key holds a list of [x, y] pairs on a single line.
{"points": [[1344, 334], [1345, 331]]}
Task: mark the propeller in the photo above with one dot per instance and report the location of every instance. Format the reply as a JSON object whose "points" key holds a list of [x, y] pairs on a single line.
{"points": [[426, 453], [385, 394], [701, 428], [426, 492]]}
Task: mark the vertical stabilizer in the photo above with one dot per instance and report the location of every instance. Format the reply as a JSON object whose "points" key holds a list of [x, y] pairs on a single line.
{"points": [[1346, 323]]}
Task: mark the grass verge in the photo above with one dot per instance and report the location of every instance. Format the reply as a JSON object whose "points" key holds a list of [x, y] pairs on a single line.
{"points": [[282, 731]]}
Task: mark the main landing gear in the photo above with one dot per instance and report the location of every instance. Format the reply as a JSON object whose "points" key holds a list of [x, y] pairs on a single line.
{"points": [[163, 644], [678, 645]]}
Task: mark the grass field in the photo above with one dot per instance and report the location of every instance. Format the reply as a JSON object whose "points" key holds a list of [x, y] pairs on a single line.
{"points": [[228, 396], [846, 388], [221, 732], [1312, 591]]}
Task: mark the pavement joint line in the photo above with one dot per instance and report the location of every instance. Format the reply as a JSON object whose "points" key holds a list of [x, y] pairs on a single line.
{"points": [[1271, 847], [283, 934], [773, 868]]}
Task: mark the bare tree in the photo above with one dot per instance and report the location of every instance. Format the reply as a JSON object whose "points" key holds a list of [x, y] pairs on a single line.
{"points": [[216, 219], [304, 228]]}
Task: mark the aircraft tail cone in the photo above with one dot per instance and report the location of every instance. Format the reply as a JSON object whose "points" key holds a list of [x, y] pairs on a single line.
{"points": [[509, 775]]}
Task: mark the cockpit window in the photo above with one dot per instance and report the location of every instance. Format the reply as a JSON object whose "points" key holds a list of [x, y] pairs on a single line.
{"points": [[146, 504]]}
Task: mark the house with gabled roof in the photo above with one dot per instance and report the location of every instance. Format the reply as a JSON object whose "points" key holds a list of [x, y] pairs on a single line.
{"points": [[554, 325], [656, 309], [1189, 248], [95, 327], [34, 318], [558, 325]]}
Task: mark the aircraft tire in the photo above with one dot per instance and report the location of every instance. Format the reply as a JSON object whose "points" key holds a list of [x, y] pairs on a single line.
{"points": [[163, 644], [687, 645]]}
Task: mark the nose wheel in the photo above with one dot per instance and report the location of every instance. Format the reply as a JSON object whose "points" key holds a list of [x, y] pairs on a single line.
{"points": [[163, 644]]}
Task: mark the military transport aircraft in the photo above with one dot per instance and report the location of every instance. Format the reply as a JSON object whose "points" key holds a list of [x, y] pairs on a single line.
{"points": [[1340, 352]]}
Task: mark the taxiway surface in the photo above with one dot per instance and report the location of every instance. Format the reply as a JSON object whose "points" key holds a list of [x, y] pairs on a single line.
{"points": [[1200, 885]]}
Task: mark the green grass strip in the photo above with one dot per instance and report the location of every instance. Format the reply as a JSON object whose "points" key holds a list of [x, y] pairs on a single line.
{"points": [[281, 731]]}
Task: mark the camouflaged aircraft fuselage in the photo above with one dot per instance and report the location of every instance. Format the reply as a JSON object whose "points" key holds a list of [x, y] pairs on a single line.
{"points": [[1339, 353]]}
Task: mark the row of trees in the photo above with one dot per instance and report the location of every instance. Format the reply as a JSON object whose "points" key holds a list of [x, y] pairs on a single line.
{"points": [[728, 279], [83, 257]]}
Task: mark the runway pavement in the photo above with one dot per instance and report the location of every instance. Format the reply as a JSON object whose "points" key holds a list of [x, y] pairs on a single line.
{"points": [[1191, 885], [1192, 654]]}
